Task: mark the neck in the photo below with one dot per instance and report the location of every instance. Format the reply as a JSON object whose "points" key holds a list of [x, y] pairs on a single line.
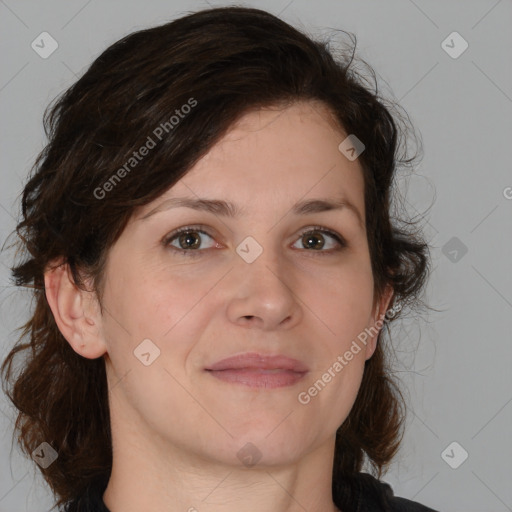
{"points": [[156, 477]]}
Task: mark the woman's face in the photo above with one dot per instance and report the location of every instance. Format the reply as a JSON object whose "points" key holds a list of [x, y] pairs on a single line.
{"points": [[265, 276]]}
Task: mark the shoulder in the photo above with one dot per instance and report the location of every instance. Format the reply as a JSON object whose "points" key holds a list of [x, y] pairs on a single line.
{"points": [[364, 493]]}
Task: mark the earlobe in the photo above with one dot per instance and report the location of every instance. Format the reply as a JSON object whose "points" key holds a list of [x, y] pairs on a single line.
{"points": [[379, 318], [77, 321]]}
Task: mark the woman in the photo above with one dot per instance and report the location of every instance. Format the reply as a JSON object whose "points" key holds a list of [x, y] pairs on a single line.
{"points": [[209, 242]]}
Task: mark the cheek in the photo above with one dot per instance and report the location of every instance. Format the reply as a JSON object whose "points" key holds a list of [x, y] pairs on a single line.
{"points": [[167, 308], [341, 300], [346, 308], [141, 307], [144, 302]]}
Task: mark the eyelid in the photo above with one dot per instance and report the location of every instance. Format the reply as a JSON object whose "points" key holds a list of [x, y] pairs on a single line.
{"points": [[323, 229], [199, 228]]}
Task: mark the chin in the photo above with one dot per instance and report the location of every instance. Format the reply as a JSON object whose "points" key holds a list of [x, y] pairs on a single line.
{"points": [[268, 444]]}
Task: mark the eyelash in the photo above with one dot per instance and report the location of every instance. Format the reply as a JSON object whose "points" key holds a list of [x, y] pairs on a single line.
{"points": [[201, 229]]}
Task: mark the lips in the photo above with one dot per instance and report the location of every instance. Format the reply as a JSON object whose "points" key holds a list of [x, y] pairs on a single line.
{"points": [[260, 371], [259, 361]]}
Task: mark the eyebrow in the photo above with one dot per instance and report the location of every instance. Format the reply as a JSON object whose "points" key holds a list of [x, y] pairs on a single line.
{"points": [[231, 210]]}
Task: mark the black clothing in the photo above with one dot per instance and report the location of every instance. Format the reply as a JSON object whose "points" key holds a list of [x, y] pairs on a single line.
{"points": [[362, 493]]}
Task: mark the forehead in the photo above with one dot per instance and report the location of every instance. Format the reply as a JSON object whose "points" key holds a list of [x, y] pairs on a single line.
{"points": [[275, 156]]}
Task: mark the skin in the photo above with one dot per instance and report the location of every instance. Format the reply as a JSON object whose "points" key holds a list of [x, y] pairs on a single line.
{"points": [[176, 429]]}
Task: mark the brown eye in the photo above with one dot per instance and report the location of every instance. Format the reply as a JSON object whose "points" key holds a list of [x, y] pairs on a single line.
{"points": [[187, 241], [317, 238], [313, 240]]}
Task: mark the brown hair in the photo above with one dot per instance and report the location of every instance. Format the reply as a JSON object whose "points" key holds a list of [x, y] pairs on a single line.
{"points": [[228, 61]]}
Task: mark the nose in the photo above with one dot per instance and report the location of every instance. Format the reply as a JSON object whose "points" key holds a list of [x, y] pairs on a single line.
{"points": [[263, 295]]}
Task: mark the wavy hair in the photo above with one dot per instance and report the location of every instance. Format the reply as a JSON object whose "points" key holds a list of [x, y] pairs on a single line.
{"points": [[229, 60]]}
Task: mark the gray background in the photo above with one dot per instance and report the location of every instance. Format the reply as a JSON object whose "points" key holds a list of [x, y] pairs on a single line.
{"points": [[456, 363]]}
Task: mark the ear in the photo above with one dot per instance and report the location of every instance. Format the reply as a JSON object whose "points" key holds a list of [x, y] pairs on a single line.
{"points": [[378, 319], [76, 312]]}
